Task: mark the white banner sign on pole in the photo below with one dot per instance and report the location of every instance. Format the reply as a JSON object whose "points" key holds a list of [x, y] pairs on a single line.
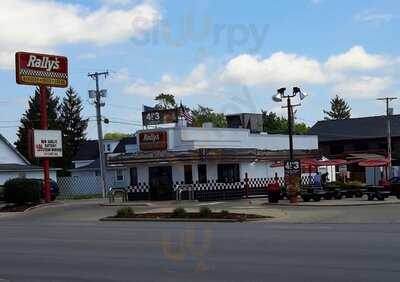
{"points": [[47, 143]]}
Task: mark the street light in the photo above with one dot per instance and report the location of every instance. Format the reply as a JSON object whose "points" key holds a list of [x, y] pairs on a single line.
{"points": [[278, 97]]}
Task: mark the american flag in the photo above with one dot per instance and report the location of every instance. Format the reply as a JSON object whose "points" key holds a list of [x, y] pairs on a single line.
{"points": [[186, 115]]}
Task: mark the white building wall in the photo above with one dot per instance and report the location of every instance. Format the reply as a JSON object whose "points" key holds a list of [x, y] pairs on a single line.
{"points": [[8, 156], [212, 171], [191, 138], [253, 170], [143, 174], [178, 173]]}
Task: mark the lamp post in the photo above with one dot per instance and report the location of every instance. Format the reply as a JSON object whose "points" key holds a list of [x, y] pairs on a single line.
{"points": [[292, 166]]}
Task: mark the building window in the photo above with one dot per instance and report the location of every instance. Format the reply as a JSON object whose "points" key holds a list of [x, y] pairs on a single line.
{"points": [[134, 176], [120, 175], [188, 174], [202, 173], [228, 173]]}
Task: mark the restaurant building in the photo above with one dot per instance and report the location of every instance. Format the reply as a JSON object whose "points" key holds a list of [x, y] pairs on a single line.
{"points": [[165, 157]]}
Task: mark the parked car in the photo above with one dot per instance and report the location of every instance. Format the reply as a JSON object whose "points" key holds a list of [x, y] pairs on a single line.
{"points": [[394, 186]]}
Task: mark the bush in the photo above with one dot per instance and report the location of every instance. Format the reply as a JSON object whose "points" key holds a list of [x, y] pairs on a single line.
{"points": [[205, 212], [179, 212], [22, 191], [125, 212]]}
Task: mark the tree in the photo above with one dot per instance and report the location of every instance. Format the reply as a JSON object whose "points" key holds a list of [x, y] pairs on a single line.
{"points": [[274, 124], [31, 119], [165, 101], [73, 126], [115, 135], [339, 109], [205, 114]]}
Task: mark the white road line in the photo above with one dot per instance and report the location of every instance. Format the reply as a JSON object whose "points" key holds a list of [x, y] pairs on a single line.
{"points": [[209, 204]]}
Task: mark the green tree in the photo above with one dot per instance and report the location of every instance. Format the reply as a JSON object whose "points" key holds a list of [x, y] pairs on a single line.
{"points": [[274, 124], [205, 114], [165, 101], [115, 135], [339, 109], [31, 119], [73, 126]]}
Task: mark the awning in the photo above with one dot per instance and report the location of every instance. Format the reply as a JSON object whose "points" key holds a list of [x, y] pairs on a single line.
{"points": [[374, 163]]}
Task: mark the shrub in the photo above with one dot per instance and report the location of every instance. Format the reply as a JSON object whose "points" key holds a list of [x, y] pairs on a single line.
{"points": [[179, 212], [125, 212], [22, 191], [205, 212], [224, 213]]}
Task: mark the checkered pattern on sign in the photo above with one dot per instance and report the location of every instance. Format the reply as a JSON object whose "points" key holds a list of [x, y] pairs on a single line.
{"points": [[29, 72]]}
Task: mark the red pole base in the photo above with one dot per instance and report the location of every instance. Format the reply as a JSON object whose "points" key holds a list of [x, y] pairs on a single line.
{"points": [[47, 192]]}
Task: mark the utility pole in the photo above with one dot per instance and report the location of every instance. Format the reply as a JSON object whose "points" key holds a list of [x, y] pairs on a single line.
{"points": [[97, 95], [388, 131]]}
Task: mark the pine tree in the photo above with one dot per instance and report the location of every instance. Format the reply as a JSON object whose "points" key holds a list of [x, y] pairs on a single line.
{"points": [[339, 109], [73, 126], [31, 119]]}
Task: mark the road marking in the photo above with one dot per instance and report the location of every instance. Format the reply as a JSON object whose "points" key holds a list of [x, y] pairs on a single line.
{"points": [[209, 204]]}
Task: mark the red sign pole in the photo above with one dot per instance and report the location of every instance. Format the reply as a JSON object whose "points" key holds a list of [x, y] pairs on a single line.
{"points": [[43, 125]]}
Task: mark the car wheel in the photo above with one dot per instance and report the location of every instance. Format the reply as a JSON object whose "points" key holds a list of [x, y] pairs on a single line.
{"points": [[305, 198], [380, 197], [338, 196], [370, 197], [328, 197], [317, 198]]}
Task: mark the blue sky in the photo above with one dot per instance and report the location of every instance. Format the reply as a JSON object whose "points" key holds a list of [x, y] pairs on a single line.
{"points": [[228, 55]]}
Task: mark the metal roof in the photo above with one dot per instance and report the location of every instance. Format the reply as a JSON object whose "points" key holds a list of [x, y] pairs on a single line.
{"points": [[355, 128]]}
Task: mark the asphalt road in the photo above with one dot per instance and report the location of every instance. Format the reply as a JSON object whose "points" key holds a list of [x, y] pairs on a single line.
{"points": [[65, 244]]}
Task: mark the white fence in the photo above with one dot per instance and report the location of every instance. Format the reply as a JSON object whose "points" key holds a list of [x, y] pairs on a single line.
{"points": [[79, 186]]}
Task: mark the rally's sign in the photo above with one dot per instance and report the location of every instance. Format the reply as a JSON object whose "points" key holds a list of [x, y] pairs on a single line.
{"points": [[47, 143], [159, 117], [41, 69], [155, 140]]}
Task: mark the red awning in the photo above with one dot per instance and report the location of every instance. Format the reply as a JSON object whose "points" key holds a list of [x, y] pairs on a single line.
{"points": [[374, 163]]}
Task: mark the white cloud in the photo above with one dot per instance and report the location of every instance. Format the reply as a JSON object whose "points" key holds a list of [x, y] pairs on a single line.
{"points": [[356, 59], [44, 24], [117, 2], [371, 17], [279, 68], [363, 87], [193, 83]]}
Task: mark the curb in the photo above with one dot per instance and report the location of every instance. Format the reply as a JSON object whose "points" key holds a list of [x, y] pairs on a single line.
{"points": [[45, 205], [225, 220], [126, 205], [170, 220], [333, 205]]}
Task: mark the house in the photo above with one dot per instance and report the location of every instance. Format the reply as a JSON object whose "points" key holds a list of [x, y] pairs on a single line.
{"points": [[86, 162], [359, 138], [162, 157], [14, 165]]}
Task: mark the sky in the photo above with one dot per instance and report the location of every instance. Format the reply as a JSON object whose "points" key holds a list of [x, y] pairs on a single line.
{"points": [[227, 55]]}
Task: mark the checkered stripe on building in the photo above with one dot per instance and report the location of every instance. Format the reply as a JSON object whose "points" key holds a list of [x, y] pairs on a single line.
{"points": [[140, 188], [29, 72], [215, 186]]}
